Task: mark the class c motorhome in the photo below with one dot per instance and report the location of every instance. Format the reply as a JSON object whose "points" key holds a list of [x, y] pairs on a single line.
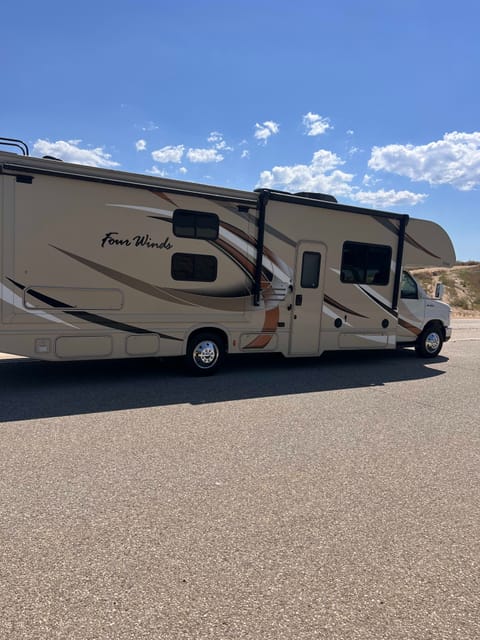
{"points": [[99, 264]]}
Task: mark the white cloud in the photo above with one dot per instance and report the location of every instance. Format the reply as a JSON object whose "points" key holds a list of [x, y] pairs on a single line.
{"points": [[70, 151], [176, 153], [183, 170], [391, 198], [155, 171], [245, 153], [321, 175], [350, 132], [315, 125], [369, 180], [150, 126], [216, 138], [454, 160], [204, 155], [141, 145], [265, 130], [169, 154]]}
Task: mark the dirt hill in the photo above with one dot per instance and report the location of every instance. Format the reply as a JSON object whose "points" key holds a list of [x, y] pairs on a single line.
{"points": [[462, 286]]}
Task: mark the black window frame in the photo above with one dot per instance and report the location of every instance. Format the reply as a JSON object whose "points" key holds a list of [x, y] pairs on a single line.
{"points": [[201, 224], [366, 262], [197, 271]]}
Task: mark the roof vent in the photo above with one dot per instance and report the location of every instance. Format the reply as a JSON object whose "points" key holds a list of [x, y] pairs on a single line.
{"points": [[317, 196]]}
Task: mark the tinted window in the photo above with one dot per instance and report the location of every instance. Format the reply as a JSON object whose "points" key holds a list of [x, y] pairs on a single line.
{"points": [[192, 266], [310, 270], [194, 224], [365, 263]]}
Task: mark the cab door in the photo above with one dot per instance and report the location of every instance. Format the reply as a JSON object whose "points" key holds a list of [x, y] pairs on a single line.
{"points": [[411, 308], [307, 299]]}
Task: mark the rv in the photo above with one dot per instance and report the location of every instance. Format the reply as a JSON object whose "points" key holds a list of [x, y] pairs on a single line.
{"points": [[98, 264]]}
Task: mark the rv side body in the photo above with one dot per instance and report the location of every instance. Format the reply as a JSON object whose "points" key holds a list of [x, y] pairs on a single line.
{"points": [[103, 264]]}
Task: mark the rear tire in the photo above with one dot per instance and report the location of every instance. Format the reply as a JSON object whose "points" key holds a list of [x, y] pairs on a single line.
{"points": [[429, 342], [205, 354]]}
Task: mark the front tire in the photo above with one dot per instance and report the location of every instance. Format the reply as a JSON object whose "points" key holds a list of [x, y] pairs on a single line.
{"points": [[205, 354], [430, 342]]}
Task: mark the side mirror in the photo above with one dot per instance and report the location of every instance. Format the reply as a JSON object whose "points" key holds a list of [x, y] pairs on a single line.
{"points": [[439, 290]]}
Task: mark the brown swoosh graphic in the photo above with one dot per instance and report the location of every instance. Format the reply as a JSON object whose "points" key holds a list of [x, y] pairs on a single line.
{"points": [[164, 196], [269, 328], [417, 245], [379, 302], [337, 305], [388, 224], [177, 296], [409, 327]]}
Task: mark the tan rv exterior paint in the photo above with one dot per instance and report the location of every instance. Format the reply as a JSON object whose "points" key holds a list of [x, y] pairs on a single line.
{"points": [[87, 268]]}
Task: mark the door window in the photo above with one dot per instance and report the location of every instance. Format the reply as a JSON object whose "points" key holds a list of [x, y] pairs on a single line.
{"points": [[310, 270]]}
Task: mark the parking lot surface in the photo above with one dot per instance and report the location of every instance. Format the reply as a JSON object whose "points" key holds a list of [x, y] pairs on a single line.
{"points": [[332, 498]]}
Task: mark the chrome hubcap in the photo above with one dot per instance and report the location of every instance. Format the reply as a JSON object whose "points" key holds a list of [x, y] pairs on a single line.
{"points": [[432, 342], [205, 354]]}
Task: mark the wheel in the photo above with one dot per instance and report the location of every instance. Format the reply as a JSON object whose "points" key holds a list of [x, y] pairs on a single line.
{"points": [[205, 353], [430, 341]]}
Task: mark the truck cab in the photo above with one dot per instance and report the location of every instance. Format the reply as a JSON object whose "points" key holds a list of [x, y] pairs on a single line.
{"points": [[423, 322]]}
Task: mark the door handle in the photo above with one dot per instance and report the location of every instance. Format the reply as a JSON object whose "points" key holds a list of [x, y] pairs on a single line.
{"points": [[298, 300]]}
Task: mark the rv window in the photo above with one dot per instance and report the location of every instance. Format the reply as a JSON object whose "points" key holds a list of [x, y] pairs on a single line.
{"points": [[310, 270], [195, 224], [192, 266], [365, 263]]}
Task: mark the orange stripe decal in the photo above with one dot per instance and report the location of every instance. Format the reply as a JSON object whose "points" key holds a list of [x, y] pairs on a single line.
{"points": [[269, 328]]}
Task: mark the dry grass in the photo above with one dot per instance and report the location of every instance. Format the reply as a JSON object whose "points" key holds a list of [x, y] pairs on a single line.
{"points": [[462, 286]]}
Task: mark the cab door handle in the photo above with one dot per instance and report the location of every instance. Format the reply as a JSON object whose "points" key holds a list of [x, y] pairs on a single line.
{"points": [[298, 300]]}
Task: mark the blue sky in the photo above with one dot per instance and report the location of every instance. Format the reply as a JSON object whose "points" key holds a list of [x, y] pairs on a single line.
{"points": [[374, 101]]}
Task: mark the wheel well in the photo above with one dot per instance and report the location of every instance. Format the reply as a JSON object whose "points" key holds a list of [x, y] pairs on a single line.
{"points": [[437, 324], [212, 330]]}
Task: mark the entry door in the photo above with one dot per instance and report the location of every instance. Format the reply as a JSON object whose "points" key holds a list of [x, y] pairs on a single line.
{"points": [[307, 299]]}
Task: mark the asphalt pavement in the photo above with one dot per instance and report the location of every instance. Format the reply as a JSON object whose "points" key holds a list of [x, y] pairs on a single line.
{"points": [[332, 498]]}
